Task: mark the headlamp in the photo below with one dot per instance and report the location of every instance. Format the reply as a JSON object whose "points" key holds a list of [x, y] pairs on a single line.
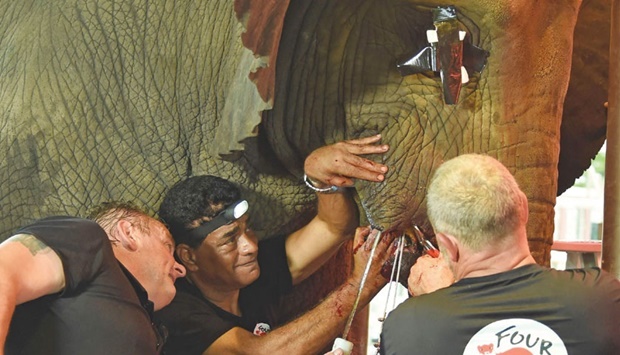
{"points": [[228, 215]]}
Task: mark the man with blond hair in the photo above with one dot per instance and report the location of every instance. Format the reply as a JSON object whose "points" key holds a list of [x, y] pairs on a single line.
{"points": [[77, 286], [502, 301]]}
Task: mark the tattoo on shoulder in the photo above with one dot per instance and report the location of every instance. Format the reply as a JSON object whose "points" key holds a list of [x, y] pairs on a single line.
{"points": [[31, 242]]}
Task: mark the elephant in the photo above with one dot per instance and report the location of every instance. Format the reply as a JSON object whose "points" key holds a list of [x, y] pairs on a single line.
{"points": [[120, 99], [527, 78]]}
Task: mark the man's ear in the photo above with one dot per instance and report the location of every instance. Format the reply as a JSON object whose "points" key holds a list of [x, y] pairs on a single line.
{"points": [[524, 207], [449, 244], [186, 255], [126, 235]]}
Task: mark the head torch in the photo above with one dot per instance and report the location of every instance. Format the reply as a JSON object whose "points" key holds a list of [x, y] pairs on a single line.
{"points": [[228, 215]]}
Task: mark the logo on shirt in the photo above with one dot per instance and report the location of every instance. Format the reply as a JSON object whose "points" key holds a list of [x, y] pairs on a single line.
{"points": [[515, 337], [261, 329]]}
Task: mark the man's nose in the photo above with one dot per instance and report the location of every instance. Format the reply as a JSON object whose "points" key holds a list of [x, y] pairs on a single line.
{"points": [[248, 243]]}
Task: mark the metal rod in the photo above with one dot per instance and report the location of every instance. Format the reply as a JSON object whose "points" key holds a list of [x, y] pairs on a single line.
{"points": [[611, 222], [400, 262], [359, 290], [387, 297]]}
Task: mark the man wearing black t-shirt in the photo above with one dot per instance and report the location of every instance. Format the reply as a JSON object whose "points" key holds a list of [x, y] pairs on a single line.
{"points": [[220, 307], [75, 286], [501, 302]]}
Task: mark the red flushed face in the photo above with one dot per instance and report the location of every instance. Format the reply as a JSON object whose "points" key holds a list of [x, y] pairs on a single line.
{"points": [[158, 269]]}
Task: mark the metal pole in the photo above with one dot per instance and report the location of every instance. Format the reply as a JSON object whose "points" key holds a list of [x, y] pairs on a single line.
{"points": [[611, 220]]}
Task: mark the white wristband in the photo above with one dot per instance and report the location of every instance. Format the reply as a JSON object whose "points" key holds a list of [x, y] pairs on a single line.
{"points": [[326, 190]]}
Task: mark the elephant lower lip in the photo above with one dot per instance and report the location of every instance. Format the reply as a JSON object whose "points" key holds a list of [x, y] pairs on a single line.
{"points": [[398, 219], [398, 266], [407, 261]]}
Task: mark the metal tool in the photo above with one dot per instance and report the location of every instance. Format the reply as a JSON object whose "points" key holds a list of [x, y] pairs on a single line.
{"points": [[361, 287], [395, 266], [429, 248]]}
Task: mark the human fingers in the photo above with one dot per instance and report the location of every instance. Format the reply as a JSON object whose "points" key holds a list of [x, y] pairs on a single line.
{"points": [[429, 274], [347, 167], [362, 244], [383, 244], [364, 147], [362, 168], [411, 281], [421, 265], [415, 275], [361, 234], [365, 140], [339, 163], [384, 249]]}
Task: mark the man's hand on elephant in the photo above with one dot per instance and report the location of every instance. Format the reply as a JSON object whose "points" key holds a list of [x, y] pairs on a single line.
{"points": [[339, 163], [337, 216], [429, 274]]}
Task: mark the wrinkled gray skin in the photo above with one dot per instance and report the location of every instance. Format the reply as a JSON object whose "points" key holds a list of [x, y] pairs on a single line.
{"points": [[119, 100], [105, 100]]}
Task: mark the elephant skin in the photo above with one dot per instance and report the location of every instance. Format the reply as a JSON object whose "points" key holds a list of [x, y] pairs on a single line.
{"points": [[512, 110], [110, 100], [106, 100], [118, 100]]}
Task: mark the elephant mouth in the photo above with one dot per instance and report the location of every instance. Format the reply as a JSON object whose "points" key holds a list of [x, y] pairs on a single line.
{"points": [[398, 215], [405, 219], [409, 247]]}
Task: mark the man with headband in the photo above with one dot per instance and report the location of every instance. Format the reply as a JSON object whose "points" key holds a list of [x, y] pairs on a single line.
{"points": [[220, 307]]}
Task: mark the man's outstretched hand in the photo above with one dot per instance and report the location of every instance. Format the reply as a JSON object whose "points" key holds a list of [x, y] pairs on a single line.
{"points": [[339, 163]]}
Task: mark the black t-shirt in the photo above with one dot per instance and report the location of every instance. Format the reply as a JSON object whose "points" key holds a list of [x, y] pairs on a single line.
{"points": [[528, 310], [194, 323], [102, 309]]}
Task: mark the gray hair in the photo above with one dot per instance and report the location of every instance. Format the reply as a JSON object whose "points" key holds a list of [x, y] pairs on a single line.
{"points": [[476, 199]]}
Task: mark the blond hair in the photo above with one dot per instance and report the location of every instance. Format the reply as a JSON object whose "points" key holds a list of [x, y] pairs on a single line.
{"points": [[107, 214], [476, 199]]}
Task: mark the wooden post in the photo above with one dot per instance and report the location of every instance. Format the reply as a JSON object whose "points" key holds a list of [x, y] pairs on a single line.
{"points": [[611, 221]]}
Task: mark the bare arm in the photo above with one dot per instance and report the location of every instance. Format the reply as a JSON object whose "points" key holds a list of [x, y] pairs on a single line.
{"points": [[337, 217], [316, 329], [29, 269]]}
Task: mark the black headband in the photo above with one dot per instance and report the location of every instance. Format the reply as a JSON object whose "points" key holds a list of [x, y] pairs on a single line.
{"points": [[228, 215]]}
